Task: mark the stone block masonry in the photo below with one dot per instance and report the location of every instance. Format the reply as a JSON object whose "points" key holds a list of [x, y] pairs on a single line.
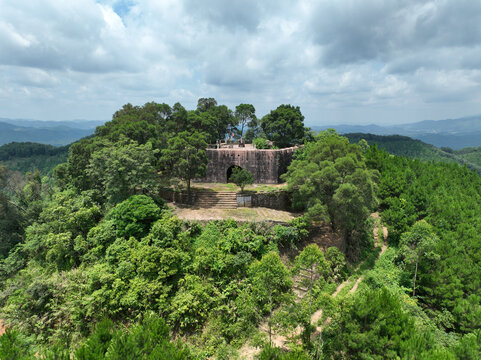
{"points": [[266, 165]]}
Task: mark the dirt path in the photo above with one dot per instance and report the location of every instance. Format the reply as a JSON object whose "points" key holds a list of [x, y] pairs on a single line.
{"points": [[2, 328], [318, 314], [248, 353]]}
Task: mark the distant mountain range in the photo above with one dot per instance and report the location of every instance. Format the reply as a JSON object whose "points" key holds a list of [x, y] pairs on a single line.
{"points": [[405, 146], [45, 132], [454, 133]]}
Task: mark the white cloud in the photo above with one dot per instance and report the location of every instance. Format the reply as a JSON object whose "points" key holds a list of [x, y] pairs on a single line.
{"points": [[335, 58]]}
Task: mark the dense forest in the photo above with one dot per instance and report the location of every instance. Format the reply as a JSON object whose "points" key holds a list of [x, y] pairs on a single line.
{"points": [[406, 146], [28, 157], [94, 265]]}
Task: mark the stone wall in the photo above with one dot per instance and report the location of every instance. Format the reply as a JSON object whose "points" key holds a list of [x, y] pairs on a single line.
{"points": [[170, 195], [279, 200], [266, 165]]}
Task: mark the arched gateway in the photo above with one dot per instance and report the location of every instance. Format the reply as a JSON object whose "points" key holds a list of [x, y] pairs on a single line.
{"points": [[266, 165]]}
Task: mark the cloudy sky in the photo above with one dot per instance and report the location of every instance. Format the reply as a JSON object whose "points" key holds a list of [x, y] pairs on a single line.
{"points": [[341, 61]]}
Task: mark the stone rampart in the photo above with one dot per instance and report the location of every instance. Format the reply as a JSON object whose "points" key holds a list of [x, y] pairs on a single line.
{"points": [[266, 165]]}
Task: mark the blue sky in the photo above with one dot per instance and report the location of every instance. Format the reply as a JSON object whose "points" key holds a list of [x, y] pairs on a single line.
{"points": [[364, 61]]}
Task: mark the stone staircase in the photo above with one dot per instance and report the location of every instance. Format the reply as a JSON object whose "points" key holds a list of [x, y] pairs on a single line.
{"points": [[216, 199]]}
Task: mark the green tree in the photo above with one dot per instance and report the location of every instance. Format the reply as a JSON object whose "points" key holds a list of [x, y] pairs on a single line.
{"points": [[206, 104], [337, 263], [271, 283], [224, 120], [185, 157], [134, 216], [13, 346], [330, 180], [417, 246], [241, 177], [11, 219], [245, 115], [203, 122], [261, 143], [193, 302], [124, 169], [374, 326], [312, 260], [284, 126]]}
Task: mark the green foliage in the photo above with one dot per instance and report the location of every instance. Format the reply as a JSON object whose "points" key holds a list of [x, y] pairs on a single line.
{"points": [[447, 196], [28, 156], [374, 326], [405, 146], [418, 250], [472, 156], [271, 283], [61, 229], [224, 121], [122, 171], [241, 177], [261, 143], [148, 339], [11, 227], [469, 347], [330, 180], [185, 156], [272, 353], [206, 104], [193, 302], [134, 216], [14, 347], [98, 342], [337, 264], [284, 126], [245, 114], [311, 260]]}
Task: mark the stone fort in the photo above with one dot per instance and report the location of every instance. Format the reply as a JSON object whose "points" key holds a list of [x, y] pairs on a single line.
{"points": [[266, 165]]}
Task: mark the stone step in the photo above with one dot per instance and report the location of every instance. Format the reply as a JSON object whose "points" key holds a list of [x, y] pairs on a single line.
{"points": [[217, 206], [216, 192], [214, 199]]}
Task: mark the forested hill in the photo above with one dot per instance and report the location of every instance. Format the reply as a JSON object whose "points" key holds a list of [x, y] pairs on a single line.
{"points": [[29, 156], [417, 149], [94, 265]]}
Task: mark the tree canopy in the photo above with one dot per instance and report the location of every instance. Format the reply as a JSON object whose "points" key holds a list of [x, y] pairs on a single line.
{"points": [[284, 126], [331, 181]]}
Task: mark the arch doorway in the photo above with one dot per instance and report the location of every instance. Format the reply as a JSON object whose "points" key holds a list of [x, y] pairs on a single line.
{"points": [[230, 171]]}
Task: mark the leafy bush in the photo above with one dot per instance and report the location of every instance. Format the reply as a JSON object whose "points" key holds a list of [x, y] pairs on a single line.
{"points": [[134, 216], [261, 143]]}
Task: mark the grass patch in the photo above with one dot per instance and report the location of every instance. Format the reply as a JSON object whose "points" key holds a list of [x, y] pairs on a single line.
{"points": [[234, 187]]}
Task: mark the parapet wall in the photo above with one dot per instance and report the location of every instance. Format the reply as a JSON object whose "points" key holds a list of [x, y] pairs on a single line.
{"points": [[267, 165]]}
